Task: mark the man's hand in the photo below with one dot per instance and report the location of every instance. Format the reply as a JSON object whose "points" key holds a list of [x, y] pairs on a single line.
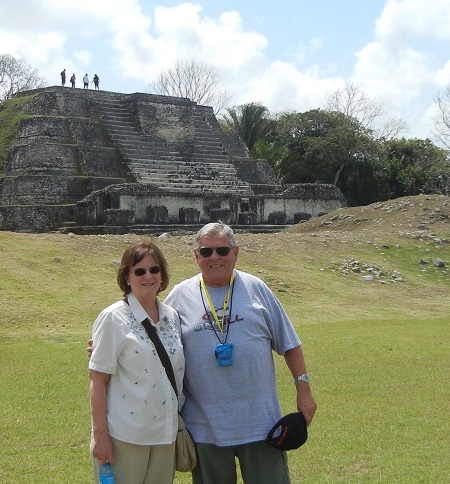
{"points": [[90, 347], [305, 400], [306, 403]]}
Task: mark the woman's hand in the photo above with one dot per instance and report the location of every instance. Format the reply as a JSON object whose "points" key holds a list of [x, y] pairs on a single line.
{"points": [[102, 448]]}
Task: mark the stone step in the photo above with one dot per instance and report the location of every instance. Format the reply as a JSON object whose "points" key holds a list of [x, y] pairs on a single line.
{"points": [[175, 167], [190, 181], [171, 159], [144, 229], [176, 175], [202, 164], [130, 134], [143, 153], [161, 177], [155, 149], [182, 167], [190, 188], [110, 113], [122, 117]]}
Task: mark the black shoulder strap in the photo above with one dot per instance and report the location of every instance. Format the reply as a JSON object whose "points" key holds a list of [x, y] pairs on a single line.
{"points": [[162, 353]]}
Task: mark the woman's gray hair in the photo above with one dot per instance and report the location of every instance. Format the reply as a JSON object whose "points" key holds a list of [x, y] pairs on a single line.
{"points": [[216, 228]]}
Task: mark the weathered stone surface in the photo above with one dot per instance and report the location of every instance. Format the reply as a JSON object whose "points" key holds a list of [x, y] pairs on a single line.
{"points": [[95, 158]]}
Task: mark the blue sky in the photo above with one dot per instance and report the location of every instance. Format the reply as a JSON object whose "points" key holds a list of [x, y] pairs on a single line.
{"points": [[289, 54]]}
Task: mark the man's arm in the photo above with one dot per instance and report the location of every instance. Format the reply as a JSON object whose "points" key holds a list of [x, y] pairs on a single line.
{"points": [[305, 400]]}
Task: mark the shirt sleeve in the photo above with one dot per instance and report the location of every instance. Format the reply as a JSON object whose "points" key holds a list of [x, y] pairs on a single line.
{"points": [[108, 342], [284, 336]]}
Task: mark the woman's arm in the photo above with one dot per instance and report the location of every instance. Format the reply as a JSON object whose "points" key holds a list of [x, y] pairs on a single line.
{"points": [[102, 445]]}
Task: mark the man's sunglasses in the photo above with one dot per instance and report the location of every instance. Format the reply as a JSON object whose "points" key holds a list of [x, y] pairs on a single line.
{"points": [[207, 251], [140, 271]]}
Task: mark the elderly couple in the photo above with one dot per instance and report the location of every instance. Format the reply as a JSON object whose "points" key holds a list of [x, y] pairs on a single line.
{"points": [[224, 324]]}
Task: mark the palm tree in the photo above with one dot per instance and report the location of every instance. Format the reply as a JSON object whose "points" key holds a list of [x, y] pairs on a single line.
{"points": [[251, 122]]}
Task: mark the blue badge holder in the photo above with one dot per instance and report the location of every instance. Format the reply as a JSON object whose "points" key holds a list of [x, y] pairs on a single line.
{"points": [[224, 354]]}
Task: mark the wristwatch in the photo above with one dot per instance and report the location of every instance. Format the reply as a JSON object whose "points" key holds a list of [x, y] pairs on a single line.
{"points": [[303, 378]]}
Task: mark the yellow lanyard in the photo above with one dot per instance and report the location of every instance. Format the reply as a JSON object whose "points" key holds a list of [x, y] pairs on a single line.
{"points": [[220, 324]]}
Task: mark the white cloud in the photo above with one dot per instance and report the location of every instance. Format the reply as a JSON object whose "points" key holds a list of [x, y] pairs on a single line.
{"points": [[403, 19], [304, 52], [83, 57], [398, 69], [442, 76], [222, 42], [283, 87], [128, 42]]}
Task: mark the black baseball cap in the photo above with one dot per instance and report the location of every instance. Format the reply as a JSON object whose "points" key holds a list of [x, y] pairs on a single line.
{"points": [[290, 432]]}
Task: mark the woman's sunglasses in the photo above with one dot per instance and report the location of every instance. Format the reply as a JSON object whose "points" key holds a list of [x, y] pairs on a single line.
{"points": [[207, 251], [140, 271]]}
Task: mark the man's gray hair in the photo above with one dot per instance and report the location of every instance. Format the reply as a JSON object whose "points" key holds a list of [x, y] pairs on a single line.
{"points": [[216, 228]]}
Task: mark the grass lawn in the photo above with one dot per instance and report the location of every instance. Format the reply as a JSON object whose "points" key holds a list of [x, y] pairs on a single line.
{"points": [[377, 352]]}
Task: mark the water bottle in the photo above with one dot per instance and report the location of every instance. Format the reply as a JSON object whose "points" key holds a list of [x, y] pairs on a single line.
{"points": [[106, 474]]}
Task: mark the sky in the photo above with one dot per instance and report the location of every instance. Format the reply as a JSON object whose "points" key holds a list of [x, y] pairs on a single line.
{"points": [[287, 55]]}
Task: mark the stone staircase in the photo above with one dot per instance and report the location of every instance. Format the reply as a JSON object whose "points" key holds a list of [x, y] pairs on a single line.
{"points": [[200, 164]]}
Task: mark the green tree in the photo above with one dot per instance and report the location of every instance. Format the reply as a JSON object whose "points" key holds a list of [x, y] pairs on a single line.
{"points": [[320, 145], [415, 166], [251, 122], [367, 182]]}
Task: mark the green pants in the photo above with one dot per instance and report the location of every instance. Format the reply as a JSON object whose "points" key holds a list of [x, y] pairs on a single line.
{"points": [[260, 463]]}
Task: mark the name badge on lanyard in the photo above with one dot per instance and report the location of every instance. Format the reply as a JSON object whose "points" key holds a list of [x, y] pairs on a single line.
{"points": [[224, 354], [224, 350]]}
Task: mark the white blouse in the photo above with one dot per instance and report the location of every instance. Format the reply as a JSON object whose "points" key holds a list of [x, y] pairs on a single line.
{"points": [[142, 407]]}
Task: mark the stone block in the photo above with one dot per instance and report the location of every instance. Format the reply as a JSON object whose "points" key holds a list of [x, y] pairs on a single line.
{"points": [[157, 214], [224, 215], [301, 217], [247, 218], [118, 216], [277, 218], [189, 215]]}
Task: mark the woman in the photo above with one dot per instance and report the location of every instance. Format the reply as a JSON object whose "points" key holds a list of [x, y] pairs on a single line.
{"points": [[134, 407]]}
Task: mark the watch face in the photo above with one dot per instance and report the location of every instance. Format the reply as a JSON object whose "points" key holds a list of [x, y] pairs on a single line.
{"points": [[304, 378]]}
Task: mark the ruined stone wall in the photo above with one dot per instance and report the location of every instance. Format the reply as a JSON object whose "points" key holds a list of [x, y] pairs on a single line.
{"points": [[35, 218], [95, 157], [255, 172], [61, 153], [163, 117], [146, 204], [143, 200]]}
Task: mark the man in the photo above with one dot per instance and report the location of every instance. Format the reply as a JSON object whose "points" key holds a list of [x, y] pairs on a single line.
{"points": [[63, 77], [231, 322]]}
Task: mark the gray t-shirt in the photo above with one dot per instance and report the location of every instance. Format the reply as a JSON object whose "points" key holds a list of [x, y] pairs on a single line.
{"points": [[237, 404]]}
